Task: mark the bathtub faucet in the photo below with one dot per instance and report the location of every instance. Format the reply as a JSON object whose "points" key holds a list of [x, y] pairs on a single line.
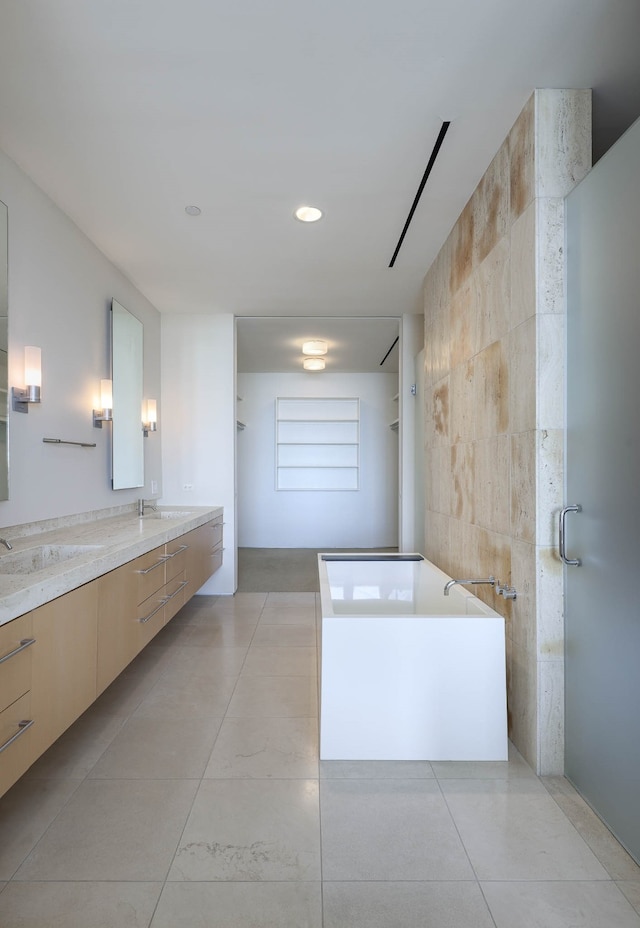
{"points": [[489, 580]]}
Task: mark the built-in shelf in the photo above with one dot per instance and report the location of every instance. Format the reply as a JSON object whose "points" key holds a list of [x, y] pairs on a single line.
{"points": [[317, 443]]}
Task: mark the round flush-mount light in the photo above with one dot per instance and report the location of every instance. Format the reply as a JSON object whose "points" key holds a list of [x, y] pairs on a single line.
{"points": [[316, 347], [308, 214], [313, 364], [192, 210]]}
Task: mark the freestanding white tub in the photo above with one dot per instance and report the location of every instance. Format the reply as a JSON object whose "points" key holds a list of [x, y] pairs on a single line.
{"points": [[407, 673]]}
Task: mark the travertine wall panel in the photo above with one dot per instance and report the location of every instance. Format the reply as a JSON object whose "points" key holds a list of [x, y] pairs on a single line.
{"points": [[494, 372]]}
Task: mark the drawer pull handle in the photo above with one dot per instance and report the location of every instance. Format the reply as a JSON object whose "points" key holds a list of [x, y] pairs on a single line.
{"points": [[22, 727], [153, 611], [163, 558], [179, 590], [25, 643], [179, 551]]}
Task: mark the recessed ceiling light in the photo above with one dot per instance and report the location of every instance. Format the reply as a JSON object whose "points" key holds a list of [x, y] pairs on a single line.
{"points": [[317, 346], [192, 210], [308, 213], [313, 364]]}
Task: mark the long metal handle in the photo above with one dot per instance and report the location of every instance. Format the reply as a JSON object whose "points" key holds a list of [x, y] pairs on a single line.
{"points": [[570, 562], [161, 603], [175, 592], [22, 727], [179, 551], [25, 643], [161, 560]]}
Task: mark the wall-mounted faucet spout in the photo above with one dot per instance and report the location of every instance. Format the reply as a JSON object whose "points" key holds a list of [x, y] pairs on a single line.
{"points": [[490, 580]]}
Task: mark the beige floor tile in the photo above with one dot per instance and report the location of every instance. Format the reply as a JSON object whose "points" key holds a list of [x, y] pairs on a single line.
{"points": [[274, 697], [183, 693], [513, 830], [288, 615], [221, 635], [26, 811], [279, 748], [77, 751], [405, 904], [246, 830], [376, 769], [113, 830], [239, 905], [631, 891], [78, 905], [281, 662], [389, 830], [172, 634], [227, 662], [559, 905], [291, 599], [159, 748], [124, 695], [284, 636], [151, 661]]}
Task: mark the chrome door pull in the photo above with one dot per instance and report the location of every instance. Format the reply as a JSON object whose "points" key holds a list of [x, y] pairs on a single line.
{"points": [[570, 562]]}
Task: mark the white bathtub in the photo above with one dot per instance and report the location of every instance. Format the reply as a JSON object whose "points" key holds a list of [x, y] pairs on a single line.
{"points": [[407, 672]]}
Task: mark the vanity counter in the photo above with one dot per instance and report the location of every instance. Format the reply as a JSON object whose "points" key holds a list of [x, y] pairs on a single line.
{"points": [[52, 558]]}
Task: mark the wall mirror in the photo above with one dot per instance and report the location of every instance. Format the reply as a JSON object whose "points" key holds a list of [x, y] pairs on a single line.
{"points": [[4, 347], [127, 334]]}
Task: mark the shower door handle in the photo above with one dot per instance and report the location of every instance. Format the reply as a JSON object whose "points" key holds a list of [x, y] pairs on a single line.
{"points": [[571, 562]]}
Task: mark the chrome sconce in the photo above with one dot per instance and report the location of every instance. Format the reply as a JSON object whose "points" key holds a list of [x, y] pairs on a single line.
{"points": [[32, 378], [105, 413], [150, 418]]}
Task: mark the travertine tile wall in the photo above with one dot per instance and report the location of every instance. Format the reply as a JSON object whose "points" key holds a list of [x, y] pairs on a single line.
{"points": [[494, 396]]}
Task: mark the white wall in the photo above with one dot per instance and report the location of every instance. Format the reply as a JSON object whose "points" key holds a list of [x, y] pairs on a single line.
{"points": [[314, 519], [411, 342], [198, 423], [60, 291]]}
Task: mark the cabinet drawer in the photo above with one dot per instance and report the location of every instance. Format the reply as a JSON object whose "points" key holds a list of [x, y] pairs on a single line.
{"points": [[16, 748], [151, 572], [15, 660], [150, 617], [216, 533], [176, 554], [174, 593], [216, 558]]}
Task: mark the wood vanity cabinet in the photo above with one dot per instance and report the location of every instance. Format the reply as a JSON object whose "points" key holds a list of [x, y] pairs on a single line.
{"points": [[204, 555], [16, 719]]}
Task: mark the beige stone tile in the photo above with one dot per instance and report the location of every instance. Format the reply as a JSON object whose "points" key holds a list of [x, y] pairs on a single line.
{"points": [[550, 611], [463, 402], [492, 461], [26, 811], [523, 266], [188, 692], [284, 636], [522, 698], [438, 479], [549, 484], [290, 599], [376, 769], [210, 661], [613, 857], [523, 625], [251, 830], [286, 614], [493, 279], [274, 697], [124, 695], [513, 830], [631, 891], [438, 414], [76, 751], [462, 247], [515, 767], [491, 217], [550, 255], [389, 830], [78, 905], [523, 486], [464, 319], [491, 390], [551, 717], [265, 748], [245, 905], [409, 904], [222, 635], [523, 376], [577, 904], [462, 481], [149, 748], [521, 141], [563, 140], [437, 540], [113, 830], [276, 661], [550, 371]]}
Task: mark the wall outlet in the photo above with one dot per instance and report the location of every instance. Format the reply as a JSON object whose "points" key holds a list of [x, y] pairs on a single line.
{"points": [[154, 486], [187, 486]]}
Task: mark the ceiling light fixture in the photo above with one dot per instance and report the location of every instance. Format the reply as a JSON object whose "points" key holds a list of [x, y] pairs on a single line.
{"points": [[308, 213], [315, 347], [313, 364], [192, 210]]}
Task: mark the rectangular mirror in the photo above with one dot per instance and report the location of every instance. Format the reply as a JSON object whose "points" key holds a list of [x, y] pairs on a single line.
{"points": [[127, 375], [4, 345]]}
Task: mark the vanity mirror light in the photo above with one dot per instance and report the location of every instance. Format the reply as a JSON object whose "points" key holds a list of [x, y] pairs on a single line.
{"points": [[4, 345], [127, 374]]}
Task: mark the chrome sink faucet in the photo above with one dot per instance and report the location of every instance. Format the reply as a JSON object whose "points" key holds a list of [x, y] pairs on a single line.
{"points": [[142, 505], [447, 587], [6, 544]]}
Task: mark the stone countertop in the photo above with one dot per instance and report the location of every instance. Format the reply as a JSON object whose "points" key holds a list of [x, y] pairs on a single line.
{"points": [[110, 542]]}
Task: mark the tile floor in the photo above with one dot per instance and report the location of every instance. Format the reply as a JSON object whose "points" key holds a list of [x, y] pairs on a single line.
{"points": [[190, 796]]}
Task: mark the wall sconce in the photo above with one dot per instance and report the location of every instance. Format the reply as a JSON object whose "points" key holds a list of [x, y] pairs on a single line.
{"points": [[150, 418], [315, 347], [105, 413], [32, 380], [313, 364]]}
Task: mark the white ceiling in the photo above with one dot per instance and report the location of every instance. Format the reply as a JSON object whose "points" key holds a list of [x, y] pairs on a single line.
{"points": [[126, 111]]}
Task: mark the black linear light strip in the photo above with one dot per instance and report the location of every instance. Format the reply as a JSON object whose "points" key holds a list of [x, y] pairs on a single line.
{"points": [[425, 177], [390, 350]]}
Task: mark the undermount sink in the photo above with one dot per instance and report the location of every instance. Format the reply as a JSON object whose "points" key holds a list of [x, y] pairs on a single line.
{"points": [[32, 560]]}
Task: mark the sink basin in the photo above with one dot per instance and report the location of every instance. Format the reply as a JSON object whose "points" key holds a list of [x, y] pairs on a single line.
{"points": [[32, 560], [170, 514]]}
